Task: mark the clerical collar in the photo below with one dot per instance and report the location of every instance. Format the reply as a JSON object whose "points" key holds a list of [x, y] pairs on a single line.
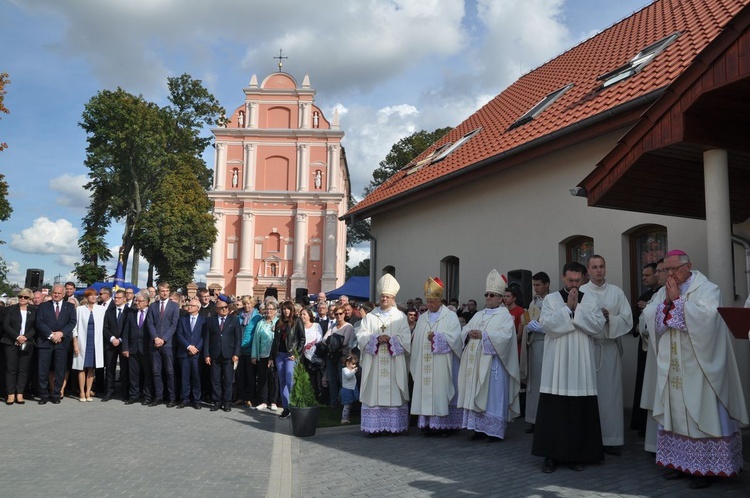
{"points": [[381, 311], [492, 311], [565, 293], [684, 286]]}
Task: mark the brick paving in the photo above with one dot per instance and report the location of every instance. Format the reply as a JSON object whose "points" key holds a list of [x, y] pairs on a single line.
{"points": [[344, 463], [110, 449]]}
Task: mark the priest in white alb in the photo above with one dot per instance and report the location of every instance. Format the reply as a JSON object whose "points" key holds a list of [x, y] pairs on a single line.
{"points": [[567, 419], [384, 340], [699, 402], [435, 351], [488, 379], [608, 353]]}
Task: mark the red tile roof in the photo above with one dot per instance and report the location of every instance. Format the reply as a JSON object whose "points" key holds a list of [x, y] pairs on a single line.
{"points": [[698, 21]]}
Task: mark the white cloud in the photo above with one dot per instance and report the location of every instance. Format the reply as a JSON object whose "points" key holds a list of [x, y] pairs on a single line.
{"points": [[520, 36], [15, 274], [373, 40], [47, 237], [68, 260], [70, 188], [357, 254]]}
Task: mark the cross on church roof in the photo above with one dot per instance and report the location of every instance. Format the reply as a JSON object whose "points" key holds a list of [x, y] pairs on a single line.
{"points": [[280, 57]]}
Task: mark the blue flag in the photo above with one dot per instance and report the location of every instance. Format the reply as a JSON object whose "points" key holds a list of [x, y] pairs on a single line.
{"points": [[119, 277]]}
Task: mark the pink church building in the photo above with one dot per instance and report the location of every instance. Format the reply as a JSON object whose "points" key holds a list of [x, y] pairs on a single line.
{"points": [[281, 183]]}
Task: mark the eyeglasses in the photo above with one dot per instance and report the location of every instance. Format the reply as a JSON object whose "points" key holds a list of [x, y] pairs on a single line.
{"points": [[24, 297], [491, 294], [339, 314], [222, 307], [667, 270]]}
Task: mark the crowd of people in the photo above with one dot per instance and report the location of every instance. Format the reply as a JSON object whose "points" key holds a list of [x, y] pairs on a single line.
{"points": [[445, 366]]}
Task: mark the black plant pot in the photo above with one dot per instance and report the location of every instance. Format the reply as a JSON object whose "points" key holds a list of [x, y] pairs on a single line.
{"points": [[304, 421]]}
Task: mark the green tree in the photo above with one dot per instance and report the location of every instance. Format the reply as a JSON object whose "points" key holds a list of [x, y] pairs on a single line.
{"points": [[133, 145], [178, 230], [126, 145], [401, 153], [361, 270], [5, 208]]}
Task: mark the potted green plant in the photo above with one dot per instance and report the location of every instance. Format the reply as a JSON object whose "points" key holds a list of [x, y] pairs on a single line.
{"points": [[302, 402]]}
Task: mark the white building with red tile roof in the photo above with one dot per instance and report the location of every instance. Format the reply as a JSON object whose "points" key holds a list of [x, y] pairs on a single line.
{"points": [[645, 123]]}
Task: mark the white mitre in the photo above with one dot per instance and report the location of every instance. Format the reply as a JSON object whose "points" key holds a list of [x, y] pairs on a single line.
{"points": [[496, 283], [388, 285]]}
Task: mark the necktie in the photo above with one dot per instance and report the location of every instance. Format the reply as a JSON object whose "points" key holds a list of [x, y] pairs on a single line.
{"points": [[221, 323], [57, 310], [140, 319], [161, 313], [192, 323], [118, 314]]}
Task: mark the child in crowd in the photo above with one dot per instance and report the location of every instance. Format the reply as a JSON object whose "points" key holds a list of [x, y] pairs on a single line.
{"points": [[349, 391]]}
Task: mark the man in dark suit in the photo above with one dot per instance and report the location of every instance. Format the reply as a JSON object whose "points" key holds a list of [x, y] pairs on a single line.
{"points": [[322, 318], [136, 347], [190, 334], [222, 351], [54, 324], [161, 322], [206, 310], [115, 323]]}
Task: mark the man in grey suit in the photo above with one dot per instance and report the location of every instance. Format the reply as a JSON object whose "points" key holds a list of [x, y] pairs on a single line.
{"points": [[161, 322]]}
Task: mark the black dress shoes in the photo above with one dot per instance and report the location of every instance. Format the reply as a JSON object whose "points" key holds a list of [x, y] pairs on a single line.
{"points": [[215, 408], [131, 401], [155, 402], [549, 466], [226, 407], [197, 405], [146, 401], [171, 404], [530, 430], [55, 401], [106, 398], [613, 450], [43, 401], [181, 405]]}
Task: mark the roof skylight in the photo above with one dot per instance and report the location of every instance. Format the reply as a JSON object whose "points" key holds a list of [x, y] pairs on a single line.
{"points": [[638, 62], [540, 107]]}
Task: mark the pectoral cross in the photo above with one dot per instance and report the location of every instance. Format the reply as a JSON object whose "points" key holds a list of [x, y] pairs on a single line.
{"points": [[382, 328]]}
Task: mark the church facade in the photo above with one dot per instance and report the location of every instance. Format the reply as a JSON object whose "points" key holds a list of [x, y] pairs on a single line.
{"points": [[281, 183]]}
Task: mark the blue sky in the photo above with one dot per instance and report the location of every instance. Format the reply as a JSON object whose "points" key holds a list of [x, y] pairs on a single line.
{"points": [[391, 67]]}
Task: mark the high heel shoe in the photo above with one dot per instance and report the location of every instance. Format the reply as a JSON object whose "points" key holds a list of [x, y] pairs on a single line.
{"points": [[20, 400], [10, 399]]}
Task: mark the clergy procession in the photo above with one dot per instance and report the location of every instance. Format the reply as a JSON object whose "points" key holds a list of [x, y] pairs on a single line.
{"points": [[556, 361], [566, 353]]}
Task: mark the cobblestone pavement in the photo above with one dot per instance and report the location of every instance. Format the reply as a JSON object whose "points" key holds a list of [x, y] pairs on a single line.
{"points": [[110, 449], [344, 463]]}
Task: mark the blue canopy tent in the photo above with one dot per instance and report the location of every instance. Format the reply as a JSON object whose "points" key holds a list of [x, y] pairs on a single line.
{"points": [[357, 288]]}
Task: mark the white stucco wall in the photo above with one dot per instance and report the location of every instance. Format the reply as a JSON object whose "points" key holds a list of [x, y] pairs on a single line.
{"points": [[516, 220]]}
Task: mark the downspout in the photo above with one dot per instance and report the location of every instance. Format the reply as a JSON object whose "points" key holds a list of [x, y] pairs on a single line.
{"points": [[746, 243], [373, 268]]}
